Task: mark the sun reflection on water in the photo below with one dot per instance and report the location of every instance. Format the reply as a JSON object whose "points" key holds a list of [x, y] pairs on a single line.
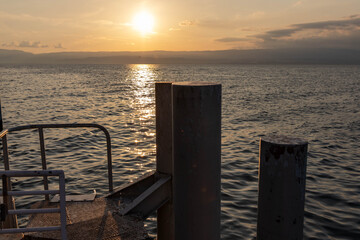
{"points": [[142, 78]]}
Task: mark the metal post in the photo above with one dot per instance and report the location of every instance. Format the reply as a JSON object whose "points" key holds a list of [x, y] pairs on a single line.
{"points": [[4, 142], [1, 121], [5, 185], [62, 205], [11, 221], [109, 159], [43, 160], [197, 160], [282, 176], [5, 153], [164, 164]]}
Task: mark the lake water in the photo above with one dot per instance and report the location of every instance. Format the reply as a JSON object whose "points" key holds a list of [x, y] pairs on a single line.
{"points": [[318, 103]]}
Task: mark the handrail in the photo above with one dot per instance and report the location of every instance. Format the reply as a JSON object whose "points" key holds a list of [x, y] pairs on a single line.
{"points": [[40, 128], [3, 136], [3, 133], [62, 210]]}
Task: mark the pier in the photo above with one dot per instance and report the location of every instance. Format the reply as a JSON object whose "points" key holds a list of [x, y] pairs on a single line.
{"points": [[184, 189]]}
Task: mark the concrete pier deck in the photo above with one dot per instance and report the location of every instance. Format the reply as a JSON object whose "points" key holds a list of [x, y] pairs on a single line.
{"points": [[99, 219]]}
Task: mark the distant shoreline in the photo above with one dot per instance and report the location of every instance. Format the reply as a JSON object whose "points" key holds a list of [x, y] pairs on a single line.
{"points": [[256, 56]]}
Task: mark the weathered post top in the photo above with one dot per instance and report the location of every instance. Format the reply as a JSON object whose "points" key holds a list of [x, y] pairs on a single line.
{"points": [[199, 84], [282, 175], [283, 140]]}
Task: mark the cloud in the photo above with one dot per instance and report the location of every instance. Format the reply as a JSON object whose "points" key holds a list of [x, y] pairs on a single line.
{"points": [[298, 3], [344, 33], [25, 44], [354, 16], [230, 22], [183, 24], [28, 44], [257, 14], [187, 23], [231, 39], [25, 19], [351, 22], [59, 46], [218, 23], [12, 44], [280, 33]]}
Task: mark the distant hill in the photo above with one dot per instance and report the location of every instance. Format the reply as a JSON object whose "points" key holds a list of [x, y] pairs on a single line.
{"points": [[14, 56], [257, 56]]}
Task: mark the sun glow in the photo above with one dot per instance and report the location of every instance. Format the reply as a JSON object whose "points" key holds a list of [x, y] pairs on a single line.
{"points": [[143, 22]]}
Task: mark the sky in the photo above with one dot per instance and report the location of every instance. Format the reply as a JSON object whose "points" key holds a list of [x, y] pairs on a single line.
{"points": [[41, 26]]}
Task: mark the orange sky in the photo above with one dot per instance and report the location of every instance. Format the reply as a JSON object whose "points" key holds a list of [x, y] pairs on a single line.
{"points": [[188, 25]]}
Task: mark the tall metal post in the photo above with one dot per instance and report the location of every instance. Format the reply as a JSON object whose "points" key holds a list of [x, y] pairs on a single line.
{"points": [[164, 163], [197, 160], [282, 176]]}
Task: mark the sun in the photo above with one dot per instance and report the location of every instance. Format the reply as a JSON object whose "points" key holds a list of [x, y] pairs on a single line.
{"points": [[143, 22]]}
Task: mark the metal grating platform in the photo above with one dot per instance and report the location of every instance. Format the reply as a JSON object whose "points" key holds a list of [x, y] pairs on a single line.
{"points": [[98, 220]]}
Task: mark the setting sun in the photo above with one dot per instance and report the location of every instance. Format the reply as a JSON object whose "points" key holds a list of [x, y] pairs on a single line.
{"points": [[143, 22]]}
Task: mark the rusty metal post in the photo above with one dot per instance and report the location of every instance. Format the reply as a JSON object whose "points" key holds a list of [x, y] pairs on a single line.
{"points": [[164, 163], [197, 160], [282, 176]]}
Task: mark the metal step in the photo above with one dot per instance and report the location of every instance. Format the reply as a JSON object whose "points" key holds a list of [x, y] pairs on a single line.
{"points": [[144, 196]]}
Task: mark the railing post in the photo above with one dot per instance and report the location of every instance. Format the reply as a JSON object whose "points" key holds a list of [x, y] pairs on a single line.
{"points": [[11, 221], [282, 176], [62, 205], [1, 120], [164, 163], [197, 160], [43, 160], [109, 159], [76, 125], [4, 143]]}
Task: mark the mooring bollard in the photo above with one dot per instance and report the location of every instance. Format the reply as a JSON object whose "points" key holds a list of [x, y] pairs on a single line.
{"points": [[197, 160], [282, 176], [164, 163]]}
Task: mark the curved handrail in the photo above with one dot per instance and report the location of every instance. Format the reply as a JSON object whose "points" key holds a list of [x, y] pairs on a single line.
{"points": [[3, 133], [40, 127]]}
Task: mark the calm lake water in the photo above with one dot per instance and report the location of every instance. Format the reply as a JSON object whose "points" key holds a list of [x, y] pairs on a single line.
{"points": [[318, 103]]}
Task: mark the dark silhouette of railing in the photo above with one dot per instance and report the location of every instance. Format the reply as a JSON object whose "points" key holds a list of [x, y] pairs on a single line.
{"points": [[40, 128]]}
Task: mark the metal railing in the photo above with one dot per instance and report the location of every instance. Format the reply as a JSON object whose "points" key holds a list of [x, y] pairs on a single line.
{"points": [[5, 175], [40, 128], [3, 136], [11, 222]]}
